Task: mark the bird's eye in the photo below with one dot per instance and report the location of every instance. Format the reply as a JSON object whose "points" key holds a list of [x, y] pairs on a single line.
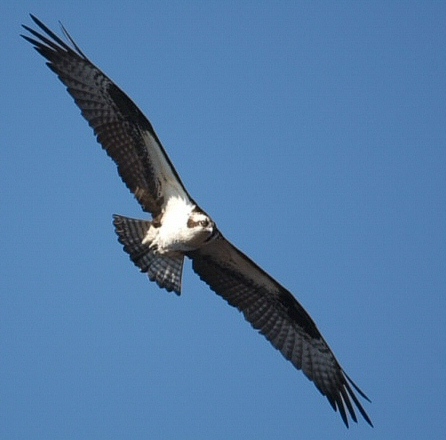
{"points": [[204, 223]]}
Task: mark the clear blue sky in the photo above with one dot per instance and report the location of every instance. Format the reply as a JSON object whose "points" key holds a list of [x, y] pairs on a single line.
{"points": [[314, 133]]}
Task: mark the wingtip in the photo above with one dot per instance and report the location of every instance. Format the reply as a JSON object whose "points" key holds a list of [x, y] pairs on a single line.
{"points": [[356, 400], [36, 20]]}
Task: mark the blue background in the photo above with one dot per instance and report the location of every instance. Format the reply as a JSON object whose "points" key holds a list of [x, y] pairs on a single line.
{"points": [[314, 133]]}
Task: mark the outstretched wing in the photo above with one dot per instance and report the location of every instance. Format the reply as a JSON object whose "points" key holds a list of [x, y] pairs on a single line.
{"points": [[121, 128], [277, 315]]}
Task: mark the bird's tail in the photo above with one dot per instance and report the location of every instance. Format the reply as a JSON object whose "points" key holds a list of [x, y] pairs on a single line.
{"points": [[165, 270]]}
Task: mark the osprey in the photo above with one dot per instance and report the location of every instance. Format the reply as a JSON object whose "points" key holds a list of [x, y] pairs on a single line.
{"points": [[179, 228]]}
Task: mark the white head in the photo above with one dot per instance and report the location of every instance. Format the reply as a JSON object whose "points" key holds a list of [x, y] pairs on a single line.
{"points": [[199, 221], [200, 227]]}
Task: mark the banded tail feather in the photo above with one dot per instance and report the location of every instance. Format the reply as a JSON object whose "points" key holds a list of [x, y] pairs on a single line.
{"points": [[165, 270]]}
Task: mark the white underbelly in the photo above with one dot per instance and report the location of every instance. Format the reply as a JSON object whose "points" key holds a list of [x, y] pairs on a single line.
{"points": [[173, 235]]}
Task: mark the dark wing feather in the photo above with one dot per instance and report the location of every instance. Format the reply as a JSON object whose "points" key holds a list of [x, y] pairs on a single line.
{"points": [[121, 128], [277, 315]]}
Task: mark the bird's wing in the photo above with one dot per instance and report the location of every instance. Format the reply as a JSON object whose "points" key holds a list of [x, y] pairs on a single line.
{"points": [[121, 128], [276, 314]]}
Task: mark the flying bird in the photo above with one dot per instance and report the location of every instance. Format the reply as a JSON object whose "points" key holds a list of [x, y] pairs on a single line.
{"points": [[179, 228]]}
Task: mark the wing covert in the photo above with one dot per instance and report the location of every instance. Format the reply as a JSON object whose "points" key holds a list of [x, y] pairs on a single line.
{"points": [[276, 314]]}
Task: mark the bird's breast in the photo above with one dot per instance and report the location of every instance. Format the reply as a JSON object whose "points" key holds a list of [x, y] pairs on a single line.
{"points": [[173, 233]]}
